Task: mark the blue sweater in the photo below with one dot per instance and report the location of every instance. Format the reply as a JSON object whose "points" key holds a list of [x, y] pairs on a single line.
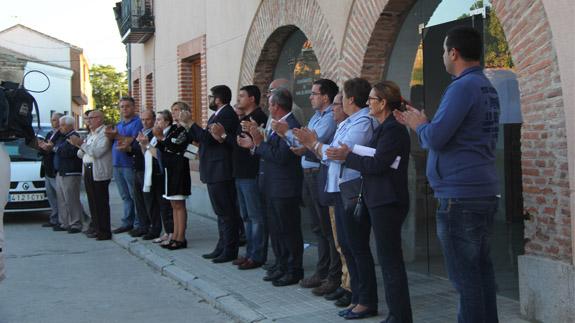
{"points": [[461, 138]]}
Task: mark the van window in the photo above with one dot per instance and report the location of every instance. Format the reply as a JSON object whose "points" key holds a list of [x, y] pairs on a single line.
{"points": [[19, 151]]}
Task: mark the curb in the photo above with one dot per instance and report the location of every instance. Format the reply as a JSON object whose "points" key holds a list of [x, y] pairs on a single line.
{"points": [[221, 299]]}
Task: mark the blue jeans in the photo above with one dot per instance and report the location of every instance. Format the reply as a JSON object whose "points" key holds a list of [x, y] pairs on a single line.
{"points": [[463, 228], [124, 177], [251, 209]]}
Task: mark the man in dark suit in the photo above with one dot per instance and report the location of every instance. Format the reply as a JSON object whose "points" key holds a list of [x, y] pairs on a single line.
{"points": [[216, 171], [47, 169], [282, 178]]}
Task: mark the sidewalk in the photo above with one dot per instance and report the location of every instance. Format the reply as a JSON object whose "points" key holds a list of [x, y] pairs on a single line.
{"points": [[247, 298]]}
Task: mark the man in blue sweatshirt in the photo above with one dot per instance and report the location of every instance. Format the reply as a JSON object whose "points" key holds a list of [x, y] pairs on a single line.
{"points": [[461, 140]]}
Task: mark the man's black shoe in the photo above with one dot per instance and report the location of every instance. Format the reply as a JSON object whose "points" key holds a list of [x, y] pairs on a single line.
{"points": [[92, 235], [139, 232], [150, 236], [275, 275], [59, 228], [121, 230], [74, 230], [343, 301], [212, 255], [48, 225], [337, 294], [221, 259], [104, 237], [286, 280]]}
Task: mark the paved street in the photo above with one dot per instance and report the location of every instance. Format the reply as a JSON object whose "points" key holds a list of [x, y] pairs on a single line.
{"points": [[60, 277]]}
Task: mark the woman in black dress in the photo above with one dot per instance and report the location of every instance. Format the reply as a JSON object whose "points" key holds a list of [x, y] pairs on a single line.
{"points": [[171, 145]]}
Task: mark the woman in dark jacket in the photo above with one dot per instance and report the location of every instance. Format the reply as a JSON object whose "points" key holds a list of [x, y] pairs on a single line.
{"points": [[385, 193], [171, 145]]}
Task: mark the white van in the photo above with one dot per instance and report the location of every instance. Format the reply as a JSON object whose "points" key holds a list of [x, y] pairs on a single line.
{"points": [[27, 189]]}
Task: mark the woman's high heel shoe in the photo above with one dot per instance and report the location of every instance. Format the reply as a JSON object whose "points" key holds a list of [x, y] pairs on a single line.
{"points": [[174, 245]]}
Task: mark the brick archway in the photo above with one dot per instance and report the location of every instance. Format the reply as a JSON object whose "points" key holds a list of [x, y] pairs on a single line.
{"points": [[370, 35], [274, 22]]}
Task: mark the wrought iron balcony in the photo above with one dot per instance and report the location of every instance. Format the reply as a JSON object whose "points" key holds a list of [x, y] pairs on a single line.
{"points": [[135, 20]]}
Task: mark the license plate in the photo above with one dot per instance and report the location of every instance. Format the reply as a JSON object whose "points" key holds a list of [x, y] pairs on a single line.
{"points": [[28, 197]]}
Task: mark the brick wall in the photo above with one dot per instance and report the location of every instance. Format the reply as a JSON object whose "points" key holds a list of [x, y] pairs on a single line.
{"points": [[150, 91], [265, 40], [370, 35], [187, 53], [136, 94], [137, 87], [543, 136]]}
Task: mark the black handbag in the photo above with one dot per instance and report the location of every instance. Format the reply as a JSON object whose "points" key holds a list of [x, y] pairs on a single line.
{"points": [[351, 196]]}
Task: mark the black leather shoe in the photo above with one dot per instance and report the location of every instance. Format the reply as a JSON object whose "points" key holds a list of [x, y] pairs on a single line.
{"points": [[337, 294], [74, 230], [221, 259], [212, 255], [150, 236], [344, 312], [286, 280], [121, 230], [343, 301], [369, 312], [104, 237], [59, 228], [92, 235], [275, 275], [48, 225]]}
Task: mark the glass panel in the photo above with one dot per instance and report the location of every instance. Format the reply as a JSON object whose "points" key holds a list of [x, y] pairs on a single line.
{"points": [[423, 60], [298, 64]]}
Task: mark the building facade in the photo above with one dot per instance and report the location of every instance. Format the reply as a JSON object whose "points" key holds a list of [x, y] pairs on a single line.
{"points": [[179, 49], [65, 66]]}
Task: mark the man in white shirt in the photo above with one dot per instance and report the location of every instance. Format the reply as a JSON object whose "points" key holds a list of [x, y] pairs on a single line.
{"points": [[96, 154]]}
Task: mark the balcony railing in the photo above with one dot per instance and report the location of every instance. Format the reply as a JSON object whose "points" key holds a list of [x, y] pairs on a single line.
{"points": [[135, 20]]}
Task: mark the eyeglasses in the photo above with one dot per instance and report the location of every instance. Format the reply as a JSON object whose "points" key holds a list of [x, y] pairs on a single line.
{"points": [[90, 118], [373, 98], [337, 103], [315, 93]]}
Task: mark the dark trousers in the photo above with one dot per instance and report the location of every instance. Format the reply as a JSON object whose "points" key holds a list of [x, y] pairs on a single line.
{"points": [[464, 226], [98, 203], [139, 200], [386, 222], [328, 263], [353, 237], [153, 201], [223, 197], [285, 232]]}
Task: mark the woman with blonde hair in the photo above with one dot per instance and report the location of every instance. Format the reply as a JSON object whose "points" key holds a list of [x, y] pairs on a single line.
{"points": [[171, 146]]}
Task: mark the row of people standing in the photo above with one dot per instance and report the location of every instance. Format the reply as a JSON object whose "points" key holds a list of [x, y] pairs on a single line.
{"points": [[355, 166]]}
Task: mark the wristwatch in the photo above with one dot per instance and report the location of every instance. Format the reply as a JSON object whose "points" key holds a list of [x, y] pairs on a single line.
{"points": [[224, 136]]}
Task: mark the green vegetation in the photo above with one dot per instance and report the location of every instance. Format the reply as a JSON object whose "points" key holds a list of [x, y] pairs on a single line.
{"points": [[108, 86], [497, 53]]}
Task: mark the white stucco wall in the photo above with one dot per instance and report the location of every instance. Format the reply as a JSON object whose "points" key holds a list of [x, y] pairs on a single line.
{"points": [[225, 41], [177, 22], [58, 95], [35, 45]]}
